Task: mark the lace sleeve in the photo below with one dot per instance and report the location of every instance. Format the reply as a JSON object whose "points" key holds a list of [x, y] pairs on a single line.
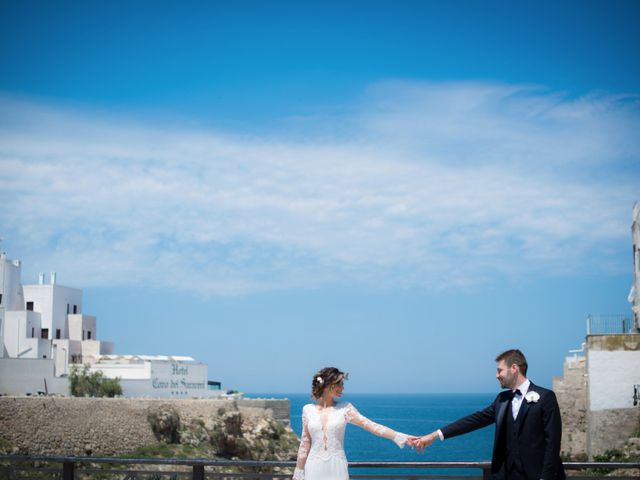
{"points": [[303, 450], [354, 416]]}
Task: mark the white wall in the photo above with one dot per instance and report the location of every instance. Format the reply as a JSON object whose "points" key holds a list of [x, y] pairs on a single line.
{"points": [[63, 352], [28, 376], [130, 371], [3, 350], [51, 301], [612, 375], [159, 379], [22, 335], [92, 349], [634, 298], [10, 284], [80, 325]]}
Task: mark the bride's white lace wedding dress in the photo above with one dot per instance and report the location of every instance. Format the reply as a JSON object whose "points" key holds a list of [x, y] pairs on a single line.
{"points": [[321, 454]]}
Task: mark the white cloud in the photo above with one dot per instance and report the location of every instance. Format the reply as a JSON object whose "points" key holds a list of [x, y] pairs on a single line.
{"points": [[432, 185]]}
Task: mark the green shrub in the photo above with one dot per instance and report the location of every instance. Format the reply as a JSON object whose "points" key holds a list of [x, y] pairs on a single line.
{"points": [[83, 383], [165, 423], [609, 456]]}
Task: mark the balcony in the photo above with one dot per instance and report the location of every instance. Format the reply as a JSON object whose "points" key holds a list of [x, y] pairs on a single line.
{"points": [[609, 324]]}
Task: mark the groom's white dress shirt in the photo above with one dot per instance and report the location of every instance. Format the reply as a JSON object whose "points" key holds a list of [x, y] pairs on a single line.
{"points": [[515, 403], [517, 399]]}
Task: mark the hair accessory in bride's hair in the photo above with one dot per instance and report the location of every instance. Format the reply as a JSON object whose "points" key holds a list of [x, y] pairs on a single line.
{"points": [[319, 380]]}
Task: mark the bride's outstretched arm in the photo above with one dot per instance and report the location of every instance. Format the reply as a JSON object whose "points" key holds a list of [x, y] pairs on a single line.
{"points": [[355, 417], [303, 450]]}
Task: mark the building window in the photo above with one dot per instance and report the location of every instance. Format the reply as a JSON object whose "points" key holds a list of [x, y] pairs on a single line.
{"points": [[33, 332], [75, 309], [68, 309], [83, 334], [30, 306], [57, 333], [0, 299], [44, 333], [89, 335]]}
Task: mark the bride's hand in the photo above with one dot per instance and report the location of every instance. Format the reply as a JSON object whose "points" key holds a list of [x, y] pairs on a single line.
{"points": [[425, 441], [411, 441]]}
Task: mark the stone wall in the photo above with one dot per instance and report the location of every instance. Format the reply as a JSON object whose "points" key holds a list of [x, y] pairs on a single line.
{"points": [[596, 396], [110, 426], [611, 429], [280, 408], [571, 391], [613, 367]]}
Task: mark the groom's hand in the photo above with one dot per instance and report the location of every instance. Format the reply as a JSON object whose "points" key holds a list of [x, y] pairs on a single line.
{"points": [[412, 441], [425, 441]]}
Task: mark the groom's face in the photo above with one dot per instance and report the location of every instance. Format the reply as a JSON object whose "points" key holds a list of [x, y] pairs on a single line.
{"points": [[506, 375]]}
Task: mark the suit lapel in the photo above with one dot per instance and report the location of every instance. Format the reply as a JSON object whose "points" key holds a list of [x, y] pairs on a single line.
{"points": [[524, 408], [502, 410], [503, 406]]}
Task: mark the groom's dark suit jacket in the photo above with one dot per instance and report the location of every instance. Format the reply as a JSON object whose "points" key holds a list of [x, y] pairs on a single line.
{"points": [[532, 440]]}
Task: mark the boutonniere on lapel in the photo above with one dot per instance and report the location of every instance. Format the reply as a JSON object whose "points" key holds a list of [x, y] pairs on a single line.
{"points": [[532, 397]]}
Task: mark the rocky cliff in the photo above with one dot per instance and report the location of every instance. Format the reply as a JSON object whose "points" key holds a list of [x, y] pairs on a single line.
{"points": [[143, 427]]}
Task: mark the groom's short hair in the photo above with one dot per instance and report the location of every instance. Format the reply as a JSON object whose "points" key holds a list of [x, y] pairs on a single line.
{"points": [[514, 357]]}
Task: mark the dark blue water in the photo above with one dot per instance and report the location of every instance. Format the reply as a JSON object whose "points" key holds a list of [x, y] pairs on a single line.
{"points": [[414, 415]]}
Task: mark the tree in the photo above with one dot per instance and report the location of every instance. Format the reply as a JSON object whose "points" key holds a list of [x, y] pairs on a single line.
{"points": [[83, 383]]}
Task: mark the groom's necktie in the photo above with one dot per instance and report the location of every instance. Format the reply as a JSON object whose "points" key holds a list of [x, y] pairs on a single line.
{"points": [[516, 401]]}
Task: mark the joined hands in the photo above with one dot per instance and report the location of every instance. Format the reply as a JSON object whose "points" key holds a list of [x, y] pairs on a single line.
{"points": [[420, 443]]}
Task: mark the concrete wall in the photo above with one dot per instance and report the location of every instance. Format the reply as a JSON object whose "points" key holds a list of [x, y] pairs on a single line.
{"points": [[613, 366], [20, 376], [571, 391], [280, 408], [99, 426], [22, 335], [159, 379], [51, 301], [10, 288], [92, 348], [64, 353], [634, 296], [613, 363], [80, 326], [596, 395], [611, 429], [150, 379]]}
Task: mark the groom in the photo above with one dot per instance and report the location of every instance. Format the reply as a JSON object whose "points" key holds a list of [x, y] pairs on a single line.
{"points": [[528, 427]]}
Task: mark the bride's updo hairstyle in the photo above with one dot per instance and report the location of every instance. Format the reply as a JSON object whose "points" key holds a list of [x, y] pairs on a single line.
{"points": [[325, 378]]}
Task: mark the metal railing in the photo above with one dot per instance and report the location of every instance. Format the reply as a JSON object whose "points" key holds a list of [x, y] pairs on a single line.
{"points": [[609, 324], [70, 468]]}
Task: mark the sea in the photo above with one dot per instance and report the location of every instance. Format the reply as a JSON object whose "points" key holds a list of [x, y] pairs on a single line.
{"points": [[413, 414]]}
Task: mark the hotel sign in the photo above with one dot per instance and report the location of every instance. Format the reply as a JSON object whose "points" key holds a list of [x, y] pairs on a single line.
{"points": [[178, 379]]}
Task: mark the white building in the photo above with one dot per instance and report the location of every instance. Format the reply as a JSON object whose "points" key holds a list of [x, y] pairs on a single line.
{"points": [[44, 333], [634, 295], [599, 394], [45, 321], [158, 376]]}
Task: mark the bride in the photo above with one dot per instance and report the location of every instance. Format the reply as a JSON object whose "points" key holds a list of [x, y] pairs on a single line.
{"points": [[321, 453]]}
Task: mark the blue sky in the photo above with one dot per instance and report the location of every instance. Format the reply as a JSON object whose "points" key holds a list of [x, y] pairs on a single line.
{"points": [[399, 189]]}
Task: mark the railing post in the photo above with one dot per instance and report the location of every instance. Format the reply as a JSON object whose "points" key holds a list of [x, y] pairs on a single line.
{"points": [[486, 473], [67, 470], [198, 472]]}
